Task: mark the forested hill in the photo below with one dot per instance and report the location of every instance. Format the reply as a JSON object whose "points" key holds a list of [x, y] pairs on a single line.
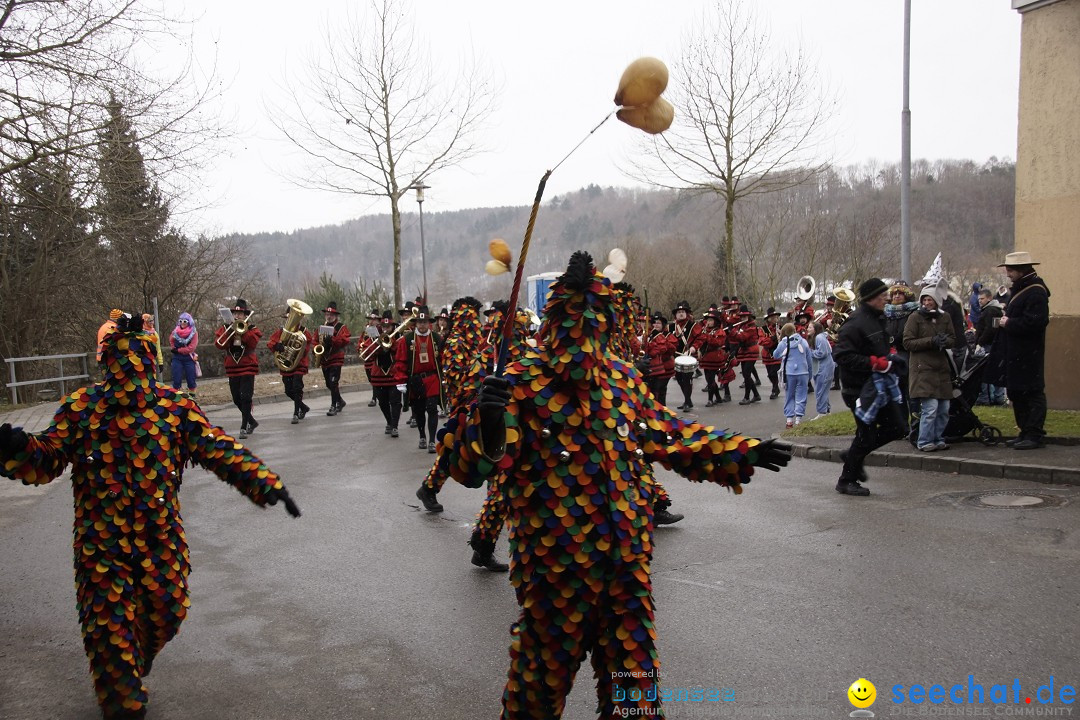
{"points": [[846, 223]]}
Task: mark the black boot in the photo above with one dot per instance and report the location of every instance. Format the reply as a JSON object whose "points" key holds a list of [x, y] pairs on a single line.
{"points": [[775, 392], [429, 498], [484, 555], [663, 516]]}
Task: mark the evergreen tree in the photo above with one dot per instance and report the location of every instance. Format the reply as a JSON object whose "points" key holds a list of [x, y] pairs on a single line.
{"points": [[132, 215], [44, 238]]}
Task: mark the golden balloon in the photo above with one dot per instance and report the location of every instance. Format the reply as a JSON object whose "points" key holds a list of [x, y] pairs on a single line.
{"points": [[656, 117], [496, 267], [500, 251], [642, 82]]}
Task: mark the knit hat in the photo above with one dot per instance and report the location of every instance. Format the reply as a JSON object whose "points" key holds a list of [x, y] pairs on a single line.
{"points": [[115, 313], [871, 288], [902, 287]]}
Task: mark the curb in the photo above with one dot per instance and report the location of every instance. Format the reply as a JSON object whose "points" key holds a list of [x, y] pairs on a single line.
{"points": [[959, 466]]}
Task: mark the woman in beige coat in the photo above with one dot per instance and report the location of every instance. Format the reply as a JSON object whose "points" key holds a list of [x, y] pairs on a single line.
{"points": [[928, 333]]}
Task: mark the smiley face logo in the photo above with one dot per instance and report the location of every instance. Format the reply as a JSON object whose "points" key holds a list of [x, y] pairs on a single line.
{"points": [[862, 693]]}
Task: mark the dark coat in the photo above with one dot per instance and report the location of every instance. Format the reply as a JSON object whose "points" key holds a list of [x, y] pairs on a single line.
{"points": [[862, 336], [928, 367], [1028, 314], [985, 332]]}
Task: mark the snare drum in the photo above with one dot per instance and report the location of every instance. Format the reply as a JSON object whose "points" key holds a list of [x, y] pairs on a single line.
{"points": [[686, 364]]}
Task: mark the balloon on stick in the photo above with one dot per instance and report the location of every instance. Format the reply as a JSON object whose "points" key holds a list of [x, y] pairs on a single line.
{"points": [[639, 95], [500, 253], [641, 82]]}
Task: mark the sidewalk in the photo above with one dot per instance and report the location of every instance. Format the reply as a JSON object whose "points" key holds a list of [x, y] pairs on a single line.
{"points": [[1058, 464], [1055, 463]]}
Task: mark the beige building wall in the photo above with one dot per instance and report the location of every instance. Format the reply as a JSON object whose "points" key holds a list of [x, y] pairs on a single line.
{"points": [[1048, 178]]}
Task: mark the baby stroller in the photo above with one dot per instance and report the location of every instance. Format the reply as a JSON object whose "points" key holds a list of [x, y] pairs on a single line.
{"points": [[967, 382]]}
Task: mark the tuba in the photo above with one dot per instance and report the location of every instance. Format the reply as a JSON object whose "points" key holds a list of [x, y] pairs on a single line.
{"points": [[805, 289], [294, 341], [841, 311]]}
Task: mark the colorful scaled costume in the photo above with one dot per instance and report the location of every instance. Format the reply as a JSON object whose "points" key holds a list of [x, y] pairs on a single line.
{"points": [[492, 516], [580, 428], [128, 440]]}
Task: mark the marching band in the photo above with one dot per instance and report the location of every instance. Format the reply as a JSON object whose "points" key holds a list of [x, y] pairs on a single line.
{"points": [[724, 342]]}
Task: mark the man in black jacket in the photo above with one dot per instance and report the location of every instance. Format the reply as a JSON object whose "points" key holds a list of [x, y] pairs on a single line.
{"points": [[864, 348], [1023, 328]]}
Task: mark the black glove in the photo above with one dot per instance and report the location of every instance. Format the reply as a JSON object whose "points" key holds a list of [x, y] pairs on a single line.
{"points": [[273, 495], [899, 363], [12, 440], [493, 398], [772, 454], [941, 341]]}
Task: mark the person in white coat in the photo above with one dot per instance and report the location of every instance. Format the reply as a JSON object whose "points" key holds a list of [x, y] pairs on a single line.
{"points": [[795, 353], [823, 367]]}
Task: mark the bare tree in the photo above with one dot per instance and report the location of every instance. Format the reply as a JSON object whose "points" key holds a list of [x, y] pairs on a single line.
{"points": [[746, 122], [374, 117], [63, 62]]}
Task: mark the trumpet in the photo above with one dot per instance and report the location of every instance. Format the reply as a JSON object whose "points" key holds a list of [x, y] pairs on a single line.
{"points": [[386, 340], [318, 353]]}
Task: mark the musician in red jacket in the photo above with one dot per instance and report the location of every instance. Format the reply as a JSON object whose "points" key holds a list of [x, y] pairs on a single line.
{"points": [[293, 380], [386, 376], [749, 336], [770, 338], [371, 335], [334, 344], [714, 357], [686, 333], [241, 362], [659, 347], [417, 357]]}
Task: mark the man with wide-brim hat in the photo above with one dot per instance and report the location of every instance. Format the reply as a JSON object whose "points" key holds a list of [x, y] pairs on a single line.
{"points": [[1023, 329], [417, 357], [369, 336], [334, 338], [687, 334], [866, 356], [770, 338], [241, 362]]}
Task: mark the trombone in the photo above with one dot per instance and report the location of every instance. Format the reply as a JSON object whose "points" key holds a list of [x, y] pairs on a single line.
{"points": [[236, 328], [387, 340]]}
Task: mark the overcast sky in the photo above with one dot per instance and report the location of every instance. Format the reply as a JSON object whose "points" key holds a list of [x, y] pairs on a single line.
{"points": [[559, 62]]}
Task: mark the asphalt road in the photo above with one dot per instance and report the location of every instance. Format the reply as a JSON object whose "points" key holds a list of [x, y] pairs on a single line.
{"points": [[368, 607]]}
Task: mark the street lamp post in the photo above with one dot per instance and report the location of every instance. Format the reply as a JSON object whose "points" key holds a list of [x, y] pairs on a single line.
{"points": [[420, 188]]}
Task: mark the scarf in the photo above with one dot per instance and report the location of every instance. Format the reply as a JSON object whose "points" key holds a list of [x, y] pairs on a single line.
{"points": [[894, 312], [181, 336]]}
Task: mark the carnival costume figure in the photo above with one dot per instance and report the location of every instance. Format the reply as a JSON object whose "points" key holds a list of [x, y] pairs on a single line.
{"points": [[128, 439], [571, 428]]}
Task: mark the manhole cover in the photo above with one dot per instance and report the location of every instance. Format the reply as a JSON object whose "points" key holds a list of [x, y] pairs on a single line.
{"points": [[1010, 500], [1002, 500]]}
